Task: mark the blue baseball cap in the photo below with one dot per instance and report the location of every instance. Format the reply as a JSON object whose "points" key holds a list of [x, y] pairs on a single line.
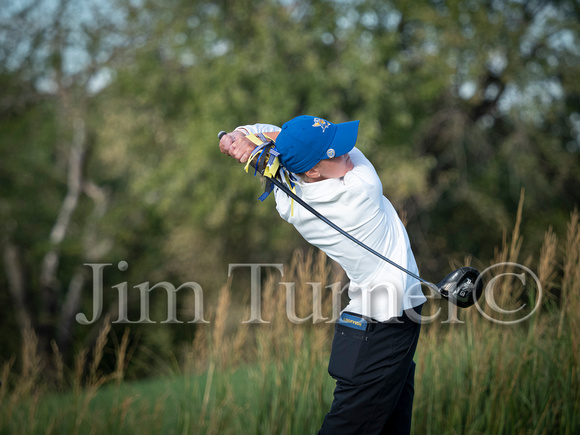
{"points": [[306, 140]]}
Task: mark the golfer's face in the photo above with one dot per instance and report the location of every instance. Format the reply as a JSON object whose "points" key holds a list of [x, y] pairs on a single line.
{"points": [[336, 167]]}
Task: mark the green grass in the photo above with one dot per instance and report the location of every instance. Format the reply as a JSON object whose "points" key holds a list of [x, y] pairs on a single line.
{"points": [[244, 400], [476, 377], [500, 381]]}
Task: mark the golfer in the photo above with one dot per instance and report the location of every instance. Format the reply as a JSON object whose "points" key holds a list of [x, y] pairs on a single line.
{"points": [[374, 339]]}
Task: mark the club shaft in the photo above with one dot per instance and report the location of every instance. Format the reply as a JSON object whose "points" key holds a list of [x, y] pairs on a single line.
{"points": [[327, 221]]}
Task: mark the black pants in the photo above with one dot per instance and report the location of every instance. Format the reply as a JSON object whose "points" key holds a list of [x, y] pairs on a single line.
{"points": [[374, 373]]}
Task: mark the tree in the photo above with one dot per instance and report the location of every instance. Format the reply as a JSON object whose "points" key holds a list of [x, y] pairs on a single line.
{"points": [[109, 131], [54, 63]]}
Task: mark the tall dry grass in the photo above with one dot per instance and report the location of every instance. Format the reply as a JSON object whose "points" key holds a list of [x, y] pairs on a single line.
{"points": [[486, 377], [473, 375]]}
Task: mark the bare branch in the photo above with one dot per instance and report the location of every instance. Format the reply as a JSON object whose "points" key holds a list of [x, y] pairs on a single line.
{"points": [[70, 308]]}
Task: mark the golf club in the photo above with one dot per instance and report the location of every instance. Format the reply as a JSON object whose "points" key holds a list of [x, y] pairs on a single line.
{"points": [[463, 287]]}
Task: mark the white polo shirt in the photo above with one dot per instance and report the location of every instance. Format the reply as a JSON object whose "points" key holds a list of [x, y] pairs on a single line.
{"points": [[356, 204]]}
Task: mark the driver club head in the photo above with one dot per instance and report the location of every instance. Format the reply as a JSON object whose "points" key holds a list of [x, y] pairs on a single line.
{"points": [[462, 287]]}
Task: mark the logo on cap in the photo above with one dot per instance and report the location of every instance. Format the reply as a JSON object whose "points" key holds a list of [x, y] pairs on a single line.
{"points": [[322, 123], [330, 153]]}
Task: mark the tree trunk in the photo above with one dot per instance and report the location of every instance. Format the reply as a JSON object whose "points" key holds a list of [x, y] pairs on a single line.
{"points": [[50, 288], [17, 285]]}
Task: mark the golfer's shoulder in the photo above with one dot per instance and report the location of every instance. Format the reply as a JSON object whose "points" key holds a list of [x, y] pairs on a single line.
{"points": [[363, 177]]}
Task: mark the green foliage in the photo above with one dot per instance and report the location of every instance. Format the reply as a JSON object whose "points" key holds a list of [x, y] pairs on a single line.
{"points": [[462, 105]]}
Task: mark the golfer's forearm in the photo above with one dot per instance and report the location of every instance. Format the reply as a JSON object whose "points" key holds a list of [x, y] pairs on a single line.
{"points": [[268, 134], [272, 135]]}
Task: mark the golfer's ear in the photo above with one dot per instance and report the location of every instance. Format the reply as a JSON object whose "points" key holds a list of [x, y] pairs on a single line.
{"points": [[313, 173]]}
